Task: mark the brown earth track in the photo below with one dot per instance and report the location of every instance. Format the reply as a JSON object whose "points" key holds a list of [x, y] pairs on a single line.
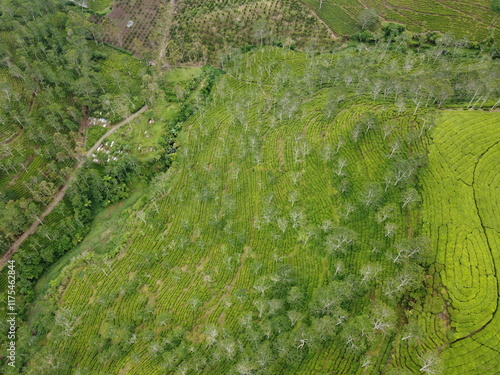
{"points": [[62, 191]]}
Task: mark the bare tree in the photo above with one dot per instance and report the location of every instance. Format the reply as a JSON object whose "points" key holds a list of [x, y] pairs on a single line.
{"points": [[389, 127], [340, 143], [66, 319], [327, 226], [369, 272], [295, 176], [211, 333], [347, 210], [340, 239], [341, 164], [326, 152], [431, 363], [344, 185], [357, 130], [395, 146], [339, 268], [282, 224], [411, 248], [386, 212], [390, 228], [293, 196], [371, 194], [297, 217], [410, 197], [368, 18], [428, 122], [295, 316], [261, 306], [383, 318]]}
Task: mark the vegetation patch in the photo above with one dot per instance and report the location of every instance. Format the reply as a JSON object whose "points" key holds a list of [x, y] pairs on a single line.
{"points": [[460, 216], [305, 208], [286, 236], [473, 20]]}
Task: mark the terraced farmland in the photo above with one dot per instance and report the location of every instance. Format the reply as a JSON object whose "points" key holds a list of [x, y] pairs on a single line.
{"points": [[288, 235], [272, 245], [461, 214], [472, 19]]}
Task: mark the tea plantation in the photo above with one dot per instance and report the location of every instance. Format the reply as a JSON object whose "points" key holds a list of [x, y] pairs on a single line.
{"points": [[300, 230], [473, 20], [461, 216], [249, 187]]}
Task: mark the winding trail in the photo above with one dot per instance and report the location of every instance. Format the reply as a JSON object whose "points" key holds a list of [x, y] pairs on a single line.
{"points": [[62, 192]]}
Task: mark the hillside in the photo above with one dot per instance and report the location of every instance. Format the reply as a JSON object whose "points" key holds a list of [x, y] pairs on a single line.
{"points": [[187, 31], [287, 237], [205, 31], [54, 81], [249, 187], [460, 215]]}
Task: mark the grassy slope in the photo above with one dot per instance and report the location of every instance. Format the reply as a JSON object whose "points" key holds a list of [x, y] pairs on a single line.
{"points": [[206, 242], [143, 139], [105, 231], [461, 206], [472, 19], [195, 255]]}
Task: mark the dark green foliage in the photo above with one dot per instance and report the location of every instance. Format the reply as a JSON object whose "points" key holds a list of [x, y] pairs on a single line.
{"points": [[495, 5], [93, 134], [365, 36], [392, 30], [58, 75]]}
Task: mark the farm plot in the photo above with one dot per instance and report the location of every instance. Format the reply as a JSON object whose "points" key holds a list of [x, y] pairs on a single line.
{"points": [[204, 29], [194, 31], [129, 24], [461, 215]]}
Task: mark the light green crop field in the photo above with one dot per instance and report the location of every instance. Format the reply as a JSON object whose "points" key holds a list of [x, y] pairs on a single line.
{"points": [[473, 19], [461, 214]]}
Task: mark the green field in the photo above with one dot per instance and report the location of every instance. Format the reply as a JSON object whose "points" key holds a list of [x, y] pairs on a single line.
{"points": [[461, 216], [103, 233], [472, 19]]}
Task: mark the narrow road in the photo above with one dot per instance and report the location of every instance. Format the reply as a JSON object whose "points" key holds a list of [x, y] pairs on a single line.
{"points": [[60, 195], [167, 18]]}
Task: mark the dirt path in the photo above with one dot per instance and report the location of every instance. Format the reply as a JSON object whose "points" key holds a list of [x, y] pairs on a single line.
{"points": [[11, 137], [166, 21], [60, 195]]}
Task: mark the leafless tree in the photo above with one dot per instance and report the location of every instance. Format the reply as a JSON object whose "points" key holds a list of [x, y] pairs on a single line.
{"points": [[341, 164], [410, 197], [386, 212], [431, 363]]}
